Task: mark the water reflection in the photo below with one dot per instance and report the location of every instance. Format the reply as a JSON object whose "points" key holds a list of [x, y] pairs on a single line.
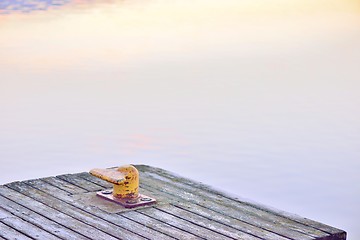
{"points": [[120, 32]]}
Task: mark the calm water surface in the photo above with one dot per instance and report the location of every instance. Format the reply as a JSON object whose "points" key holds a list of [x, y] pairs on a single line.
{"points": [[267, 91]]}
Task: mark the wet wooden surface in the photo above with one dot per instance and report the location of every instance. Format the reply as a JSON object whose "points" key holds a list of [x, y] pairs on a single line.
{"points": [[66, 207]]}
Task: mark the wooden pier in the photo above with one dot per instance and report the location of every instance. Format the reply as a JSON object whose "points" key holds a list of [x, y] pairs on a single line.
{"points": [[66, 207]]}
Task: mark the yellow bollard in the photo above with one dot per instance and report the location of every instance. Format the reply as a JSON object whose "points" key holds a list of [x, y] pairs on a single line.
{"points": [[126, 186]]}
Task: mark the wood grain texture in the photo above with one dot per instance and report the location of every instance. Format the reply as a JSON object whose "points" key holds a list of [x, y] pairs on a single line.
{"points": [[7, 232], [66, 207]]}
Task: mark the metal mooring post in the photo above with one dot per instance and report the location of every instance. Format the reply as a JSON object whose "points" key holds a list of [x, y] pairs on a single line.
{"points": [[126, 186]]}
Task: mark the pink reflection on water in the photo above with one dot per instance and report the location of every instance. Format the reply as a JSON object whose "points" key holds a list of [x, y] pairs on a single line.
{"points": [[139, 142]]}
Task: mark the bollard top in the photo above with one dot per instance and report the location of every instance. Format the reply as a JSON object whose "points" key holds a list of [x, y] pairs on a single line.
{"points": [[115, 175]]}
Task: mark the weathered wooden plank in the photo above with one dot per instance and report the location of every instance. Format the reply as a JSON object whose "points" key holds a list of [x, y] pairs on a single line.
{"points": [[305, 221], [220, 217], [226, 220], [73, 179], [158, 225], [67, 187], [181, 224], [24, 227], [264, 214], [100, 228], [9, 233], [206, 223], [55, 215], [38, 220], [116, 225], [257, 217]]}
